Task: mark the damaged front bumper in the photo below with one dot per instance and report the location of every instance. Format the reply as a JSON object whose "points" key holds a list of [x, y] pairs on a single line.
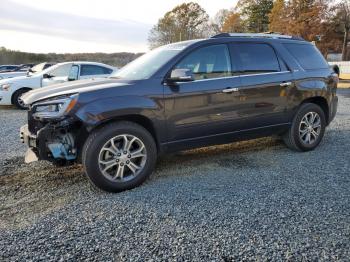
{"points": [[30, 140], [53, 143]]}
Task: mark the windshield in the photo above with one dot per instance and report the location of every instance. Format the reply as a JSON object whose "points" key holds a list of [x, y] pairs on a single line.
{"points": [[146, 65], [37, 68], [47, 70]]}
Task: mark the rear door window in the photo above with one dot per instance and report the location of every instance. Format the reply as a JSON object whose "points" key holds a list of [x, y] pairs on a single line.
{"points": [[87, 70], [307, 55], [257, 58]]}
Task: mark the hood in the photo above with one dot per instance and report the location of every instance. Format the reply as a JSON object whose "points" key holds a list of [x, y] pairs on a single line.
{"points": [[15, 79], [70, 88], [20, 73]]}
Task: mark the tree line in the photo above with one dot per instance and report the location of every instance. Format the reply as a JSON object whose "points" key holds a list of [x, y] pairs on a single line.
{"points": [[325, 22], [16, 57]]}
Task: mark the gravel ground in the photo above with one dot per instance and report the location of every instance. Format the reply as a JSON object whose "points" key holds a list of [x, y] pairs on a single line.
{"points": [[10, 122], [252, 200]]}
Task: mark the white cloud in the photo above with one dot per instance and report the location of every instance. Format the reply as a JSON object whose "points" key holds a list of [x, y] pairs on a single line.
{"points": [[37, 43], [85, 25]]}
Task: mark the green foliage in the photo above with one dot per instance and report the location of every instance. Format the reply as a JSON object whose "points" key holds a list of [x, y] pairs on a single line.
{"points": [[255, 14], [16, 57]]}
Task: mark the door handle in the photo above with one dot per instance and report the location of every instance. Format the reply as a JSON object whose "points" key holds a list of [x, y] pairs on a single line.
{"points": [[230, 90], [286, 84]]}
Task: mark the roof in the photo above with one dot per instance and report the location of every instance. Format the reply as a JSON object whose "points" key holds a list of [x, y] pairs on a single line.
{"points": [[86, 63], [259, 35]]}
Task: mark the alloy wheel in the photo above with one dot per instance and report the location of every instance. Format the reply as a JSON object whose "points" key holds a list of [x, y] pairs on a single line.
{"points": [[310, 128], [21, 103], [122, 158]]}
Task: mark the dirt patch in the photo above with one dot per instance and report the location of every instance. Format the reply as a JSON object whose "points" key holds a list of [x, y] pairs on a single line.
{"points": [[22, 197]]}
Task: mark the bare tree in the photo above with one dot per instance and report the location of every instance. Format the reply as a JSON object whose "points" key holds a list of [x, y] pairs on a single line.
{"points": [[184, 22], [343, 15], [220, 17]]}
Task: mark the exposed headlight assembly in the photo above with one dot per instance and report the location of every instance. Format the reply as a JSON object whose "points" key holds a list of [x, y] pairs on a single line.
{"points": [[5, 87], [55, 107]]}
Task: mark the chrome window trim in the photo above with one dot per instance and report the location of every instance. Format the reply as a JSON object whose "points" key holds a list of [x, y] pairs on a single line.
{"points": [[269, 73], [227, 77]]}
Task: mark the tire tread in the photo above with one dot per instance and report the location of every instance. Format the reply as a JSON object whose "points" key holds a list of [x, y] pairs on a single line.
{"points": [[115, 125], [289, 137]]}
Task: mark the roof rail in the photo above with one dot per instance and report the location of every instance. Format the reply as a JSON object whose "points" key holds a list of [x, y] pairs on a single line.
{"points": [[262, 35]]}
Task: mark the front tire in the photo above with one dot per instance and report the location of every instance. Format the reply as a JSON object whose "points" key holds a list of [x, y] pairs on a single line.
{"points": [[119, 156], [307, 128], [17, 101]]}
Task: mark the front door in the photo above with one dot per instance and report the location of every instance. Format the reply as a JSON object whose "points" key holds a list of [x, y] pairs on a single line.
{"points": [[202, 107]]}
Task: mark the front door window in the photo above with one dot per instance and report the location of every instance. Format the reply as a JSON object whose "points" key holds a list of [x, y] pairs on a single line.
{"points": [[208, 62]]}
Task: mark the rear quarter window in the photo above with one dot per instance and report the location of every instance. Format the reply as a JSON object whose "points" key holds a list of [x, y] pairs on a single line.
{"points": [[307, 55]]}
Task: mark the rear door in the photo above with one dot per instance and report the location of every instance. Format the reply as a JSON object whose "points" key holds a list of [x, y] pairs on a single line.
{"points": [[265, 83]]}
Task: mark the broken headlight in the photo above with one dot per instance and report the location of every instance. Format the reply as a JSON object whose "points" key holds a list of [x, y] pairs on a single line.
{"points": [[54, 107]]}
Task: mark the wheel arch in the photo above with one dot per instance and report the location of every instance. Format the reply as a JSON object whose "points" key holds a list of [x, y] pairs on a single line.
{"points": [[141, 120], [321, 102], [19, 89]]}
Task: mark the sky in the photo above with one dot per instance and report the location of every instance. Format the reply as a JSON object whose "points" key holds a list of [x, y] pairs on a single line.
{"points": [[72, 26]]}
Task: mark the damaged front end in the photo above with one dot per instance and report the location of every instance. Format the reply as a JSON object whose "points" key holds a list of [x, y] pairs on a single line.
{"points": [[50, 133]]}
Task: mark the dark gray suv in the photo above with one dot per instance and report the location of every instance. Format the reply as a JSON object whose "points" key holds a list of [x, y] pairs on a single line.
{"points": [[180, 96]]}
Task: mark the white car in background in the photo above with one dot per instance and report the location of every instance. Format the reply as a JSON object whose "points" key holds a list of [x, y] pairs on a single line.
{"points": [[11, 74], [35, 69], [12, 89]]}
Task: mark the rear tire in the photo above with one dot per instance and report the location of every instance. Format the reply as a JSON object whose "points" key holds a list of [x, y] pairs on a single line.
{"points": [[17, 101], [307, 128], [119, 156]]}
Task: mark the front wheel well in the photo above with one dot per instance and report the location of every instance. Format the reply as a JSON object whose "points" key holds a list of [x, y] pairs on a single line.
{"points": [[18, 90], [321, 102], [138, 119]]}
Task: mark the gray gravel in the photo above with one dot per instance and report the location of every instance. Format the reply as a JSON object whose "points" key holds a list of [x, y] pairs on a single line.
{"points": [[253, 200], [10, 122]]}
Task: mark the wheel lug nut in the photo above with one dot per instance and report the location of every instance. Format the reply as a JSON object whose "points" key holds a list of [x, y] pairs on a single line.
{"points": [[122, 164], [129, 156], [125, 152], [127, 161], [117, 160], [118, 154]]}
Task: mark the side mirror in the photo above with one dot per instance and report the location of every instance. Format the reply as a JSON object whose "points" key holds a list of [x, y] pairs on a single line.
{"points": [[47, 76], [181, 75]]}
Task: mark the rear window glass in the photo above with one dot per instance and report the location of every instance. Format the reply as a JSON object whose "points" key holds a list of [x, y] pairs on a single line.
{"points": [[87, 70], [257, 58], [307, 56]]}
